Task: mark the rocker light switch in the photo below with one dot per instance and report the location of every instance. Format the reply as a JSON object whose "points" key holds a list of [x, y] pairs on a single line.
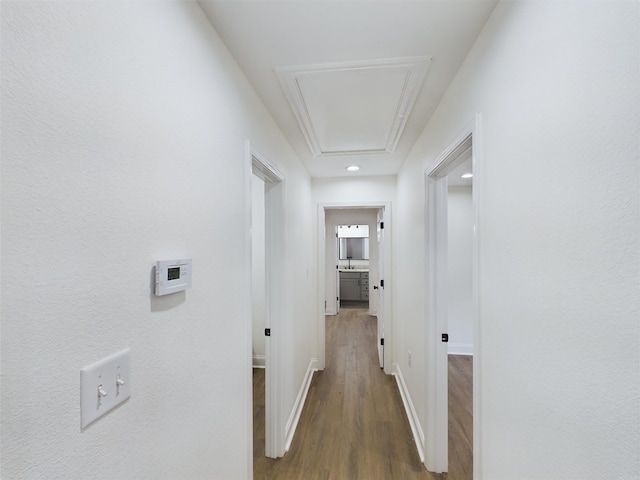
{"points": [[103, 386]]}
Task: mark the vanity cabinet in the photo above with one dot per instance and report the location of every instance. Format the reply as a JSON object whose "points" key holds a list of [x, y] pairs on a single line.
{"points": [[364, 286], [354, 286]]}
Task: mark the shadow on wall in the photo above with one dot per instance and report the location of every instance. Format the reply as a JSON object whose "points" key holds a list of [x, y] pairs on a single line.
{"points": [[164, 302]]}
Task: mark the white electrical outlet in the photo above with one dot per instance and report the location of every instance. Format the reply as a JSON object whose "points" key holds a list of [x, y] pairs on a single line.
{"points": [[104, 385], [409, 357]]}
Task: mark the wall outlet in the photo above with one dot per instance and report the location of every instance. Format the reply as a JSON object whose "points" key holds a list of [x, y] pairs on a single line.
{"points": [[409, 357], [103, 386]]}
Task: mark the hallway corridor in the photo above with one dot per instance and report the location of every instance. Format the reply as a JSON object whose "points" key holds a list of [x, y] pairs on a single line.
{"points": [[353, 425]]}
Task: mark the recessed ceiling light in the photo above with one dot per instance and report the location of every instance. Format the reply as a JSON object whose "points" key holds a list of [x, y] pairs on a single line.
{"points": [[467, 175], [353, 168]]}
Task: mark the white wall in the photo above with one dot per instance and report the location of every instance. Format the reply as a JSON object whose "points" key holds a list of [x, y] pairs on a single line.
{"points": [[460, 270], [123, 142], [558, 352], [258, 273], [357, 189]]}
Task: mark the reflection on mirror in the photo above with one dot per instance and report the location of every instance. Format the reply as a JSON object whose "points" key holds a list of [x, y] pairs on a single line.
{"points": [[354, 242], [354, 248]]}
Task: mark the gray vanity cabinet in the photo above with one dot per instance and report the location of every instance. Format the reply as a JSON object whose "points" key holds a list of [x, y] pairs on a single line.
{"points": [[354, 286], [364, 286]]}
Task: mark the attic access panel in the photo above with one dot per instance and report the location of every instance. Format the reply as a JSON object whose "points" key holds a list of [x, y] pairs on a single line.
{"points": [[354, 108]]}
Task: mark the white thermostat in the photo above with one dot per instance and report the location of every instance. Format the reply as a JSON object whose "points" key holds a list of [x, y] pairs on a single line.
{"points": [[172, 276]]}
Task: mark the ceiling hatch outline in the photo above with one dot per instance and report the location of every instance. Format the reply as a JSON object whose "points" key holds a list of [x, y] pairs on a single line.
{"points": [[353, 108]]}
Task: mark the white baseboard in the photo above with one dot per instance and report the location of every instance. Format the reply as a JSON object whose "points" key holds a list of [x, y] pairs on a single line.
{"points": [[460, 349], [258, 361], [292, 423], [416, 429]]}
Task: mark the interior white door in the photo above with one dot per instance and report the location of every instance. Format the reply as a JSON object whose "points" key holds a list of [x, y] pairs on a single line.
{"points": [[336, 255], [380, 286]]}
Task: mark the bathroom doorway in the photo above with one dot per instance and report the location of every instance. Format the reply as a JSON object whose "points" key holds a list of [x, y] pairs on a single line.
{"points": [[353, 265]]}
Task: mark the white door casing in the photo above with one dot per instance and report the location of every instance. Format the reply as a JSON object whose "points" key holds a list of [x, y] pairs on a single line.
{"points": [[274, 296], [336, 256], [436, 358], [380, 288]]}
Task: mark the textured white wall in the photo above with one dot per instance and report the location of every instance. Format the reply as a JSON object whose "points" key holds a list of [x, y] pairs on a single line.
{"points": [[354, 189], [258, 273], [123, 142], [299, 325], [460, 270], [559, 353]]}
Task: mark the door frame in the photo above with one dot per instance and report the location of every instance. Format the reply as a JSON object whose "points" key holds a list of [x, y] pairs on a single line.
{"points": [[380, 239], [336, 257], [275, 249], [388, 321], [436, 365]]}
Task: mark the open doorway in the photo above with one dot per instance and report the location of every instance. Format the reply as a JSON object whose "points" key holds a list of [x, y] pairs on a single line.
{"points": [[460, 225], [377, 216], [258, 315], [452, 325], [353, 265]]}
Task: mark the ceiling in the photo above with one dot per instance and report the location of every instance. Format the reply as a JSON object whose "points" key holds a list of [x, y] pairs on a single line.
{"points": [[349, 82]]}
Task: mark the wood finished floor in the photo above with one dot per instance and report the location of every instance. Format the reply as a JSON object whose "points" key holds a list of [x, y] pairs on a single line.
{"points": [[460, 417], [353, 425]]}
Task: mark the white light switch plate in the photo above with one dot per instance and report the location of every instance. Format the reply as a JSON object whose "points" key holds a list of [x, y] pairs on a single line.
{"points": [[104, 385]]}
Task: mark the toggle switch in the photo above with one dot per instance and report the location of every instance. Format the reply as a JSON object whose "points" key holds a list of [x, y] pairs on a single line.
{"points": [[119, 383], [103, 386]]}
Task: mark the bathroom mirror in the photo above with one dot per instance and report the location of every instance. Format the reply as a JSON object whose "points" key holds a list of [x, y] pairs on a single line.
{"points": [[354, 242], [354, 248]]}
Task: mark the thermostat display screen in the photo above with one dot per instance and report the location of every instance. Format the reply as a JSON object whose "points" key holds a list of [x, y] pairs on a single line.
{"points": [[173, 273]]}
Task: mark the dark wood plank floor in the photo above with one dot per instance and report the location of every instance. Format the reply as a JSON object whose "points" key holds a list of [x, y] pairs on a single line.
{"points": [[460, 417], [353, 425]]}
